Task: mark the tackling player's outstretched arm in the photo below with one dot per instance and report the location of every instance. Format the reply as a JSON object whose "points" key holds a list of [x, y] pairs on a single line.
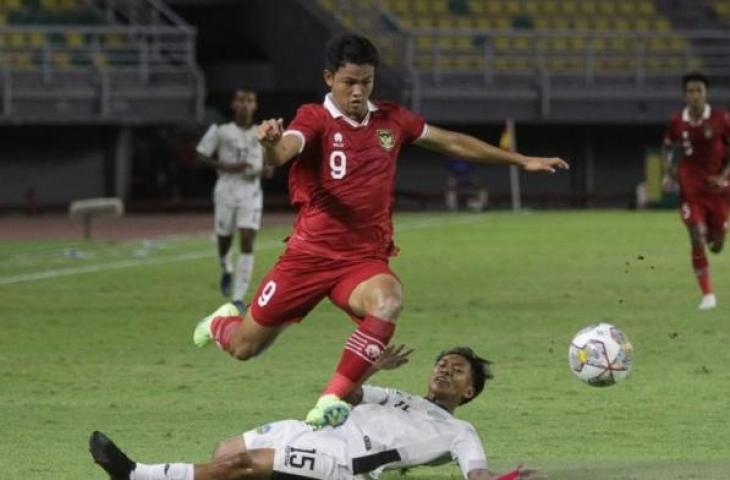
{"points": [[472, 149], [278, 148]]}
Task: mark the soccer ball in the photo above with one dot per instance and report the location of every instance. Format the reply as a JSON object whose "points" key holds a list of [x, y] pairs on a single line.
{"points": [[600, 355]]}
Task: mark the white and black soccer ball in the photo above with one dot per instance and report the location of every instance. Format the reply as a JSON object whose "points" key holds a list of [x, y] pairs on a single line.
{"points": [[601, 355]]}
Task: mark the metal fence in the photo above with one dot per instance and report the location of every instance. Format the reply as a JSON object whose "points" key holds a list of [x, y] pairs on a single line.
{"points": [[142, 47]]}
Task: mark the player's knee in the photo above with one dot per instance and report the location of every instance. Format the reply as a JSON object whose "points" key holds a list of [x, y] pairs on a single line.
{"points": [[388, 305], [716, 246]]}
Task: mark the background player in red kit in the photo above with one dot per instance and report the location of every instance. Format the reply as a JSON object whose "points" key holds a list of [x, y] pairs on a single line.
{"points": [[342, 183], [702, 133]]}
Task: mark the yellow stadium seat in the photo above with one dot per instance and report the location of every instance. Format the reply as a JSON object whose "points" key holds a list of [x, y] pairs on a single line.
{"points": [[113, 39], [678, 44], [464, 22], [512, 7], [503, 23], [587, 7], [16, 39], [445, 43], [542, 23], [422, 8], [502, 43], [662, 25], [560, 23], [626, 8], [36, 39], [619, 43], [424, 42], [558, 43], [463, 43], [647, 7], [601, 25], [581, 24], [482, 23], [476, 7], [61, 59], [424, 22], [568, 8], [641, 25], [621, 25], [549, 7], [577, 43], [521, 43], [401, 7], [493, 7], [75, 39], [446, 22], [598, 44], [658, 43], [439, 7], [607, 9], [532, 7], [406, 21]]}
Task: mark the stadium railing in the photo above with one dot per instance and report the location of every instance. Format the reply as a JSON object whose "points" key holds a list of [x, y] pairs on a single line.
{"points": [[583, 57], [137, 67]]}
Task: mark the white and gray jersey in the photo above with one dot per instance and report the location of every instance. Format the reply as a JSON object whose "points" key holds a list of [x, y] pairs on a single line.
{"points": [[407, 430], [232, 145]]}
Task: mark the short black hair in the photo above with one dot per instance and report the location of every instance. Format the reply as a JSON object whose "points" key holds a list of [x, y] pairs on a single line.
{"points": [[480, 368], [350, 48], [695, 77], [244, 89]]}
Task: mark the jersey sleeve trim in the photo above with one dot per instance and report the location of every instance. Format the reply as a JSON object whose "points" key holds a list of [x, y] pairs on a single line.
{"points": [[424, 133], [299, 134]]}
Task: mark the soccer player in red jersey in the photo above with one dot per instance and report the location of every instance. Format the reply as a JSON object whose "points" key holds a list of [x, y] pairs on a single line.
{"points": [[702, 133], [342, 183]]}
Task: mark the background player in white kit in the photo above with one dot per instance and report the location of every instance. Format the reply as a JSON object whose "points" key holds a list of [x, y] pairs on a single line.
{"points": [[233, 149], [387, 429]]}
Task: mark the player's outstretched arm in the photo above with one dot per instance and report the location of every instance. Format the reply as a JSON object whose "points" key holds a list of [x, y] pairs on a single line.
{"points": [[278, 148], [391, 358], [472, 149]]}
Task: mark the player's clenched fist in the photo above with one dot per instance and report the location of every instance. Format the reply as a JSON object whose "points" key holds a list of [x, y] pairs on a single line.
{"points": [[269, 132]]}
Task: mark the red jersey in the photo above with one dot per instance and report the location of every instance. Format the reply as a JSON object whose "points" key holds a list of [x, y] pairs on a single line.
{"points": [[342, 182], [704, 146]]}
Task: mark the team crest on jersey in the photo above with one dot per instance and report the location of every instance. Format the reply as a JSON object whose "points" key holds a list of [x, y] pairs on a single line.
{"points": [[707, 131], [338, 141], [386, 139]]}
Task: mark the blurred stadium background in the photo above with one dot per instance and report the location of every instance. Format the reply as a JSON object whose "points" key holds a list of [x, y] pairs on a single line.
{"points": [[109, 97]]}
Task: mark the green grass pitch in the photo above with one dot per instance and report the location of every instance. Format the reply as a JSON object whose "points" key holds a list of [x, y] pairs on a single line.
{"points": [[107, 345]]}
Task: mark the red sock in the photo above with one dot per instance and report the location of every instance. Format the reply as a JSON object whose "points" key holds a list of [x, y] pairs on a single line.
{"points": [[222, 329], [361, 350], [702, 270]]}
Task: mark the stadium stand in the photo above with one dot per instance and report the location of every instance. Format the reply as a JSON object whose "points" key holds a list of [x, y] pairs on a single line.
{"points": [[541, 50], [71, 61]]}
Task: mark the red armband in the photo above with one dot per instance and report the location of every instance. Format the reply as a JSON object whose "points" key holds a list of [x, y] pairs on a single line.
{"points": [[511, 475]]}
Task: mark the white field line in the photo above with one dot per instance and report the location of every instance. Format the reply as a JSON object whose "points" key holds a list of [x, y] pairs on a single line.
{"points": [[141, 262]]}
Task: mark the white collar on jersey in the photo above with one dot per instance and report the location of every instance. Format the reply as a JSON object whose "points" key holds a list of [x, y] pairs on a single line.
{"points": [[705, 115], [331, 107]]}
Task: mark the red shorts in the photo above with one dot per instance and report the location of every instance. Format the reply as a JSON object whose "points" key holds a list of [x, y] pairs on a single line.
{"points": [[298, 282], [710, 210]]}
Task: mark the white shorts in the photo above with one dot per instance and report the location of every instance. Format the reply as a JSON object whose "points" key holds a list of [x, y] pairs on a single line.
{"points": [[228, 218], [303, 452]]}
